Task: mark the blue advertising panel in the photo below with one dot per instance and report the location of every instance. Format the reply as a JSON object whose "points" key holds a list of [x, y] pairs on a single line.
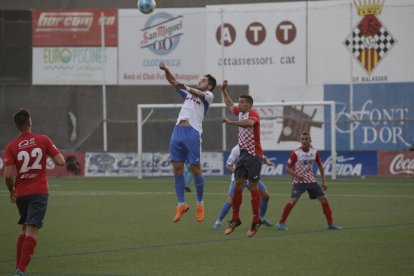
{"points": [[382, 115], [278, 158], [348, 163]]}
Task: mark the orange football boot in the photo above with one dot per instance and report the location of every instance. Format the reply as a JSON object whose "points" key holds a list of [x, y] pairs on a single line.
{"points": [[180, 211], [200, 212]]}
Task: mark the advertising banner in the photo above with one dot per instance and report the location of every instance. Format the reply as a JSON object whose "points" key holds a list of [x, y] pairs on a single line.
{"points": [[110, 164], [153, 164], [382, 116], [74, 65], [74, 27], [363, 42], [258, 43], [396, 163], [173, 36], [348, 163], [1, 163], [75, 165], [278, 158]]}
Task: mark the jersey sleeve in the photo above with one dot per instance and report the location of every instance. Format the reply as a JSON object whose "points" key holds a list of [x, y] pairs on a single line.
{"points": [[253, 115], [208, 97], [51, 149], [8, 157], [235, 152], [318, 159], [182, 93], [236, 110], [292, 160]]}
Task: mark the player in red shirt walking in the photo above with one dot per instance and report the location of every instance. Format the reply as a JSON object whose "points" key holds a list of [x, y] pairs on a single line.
{"points": [[249, 163], [300, 166], [29, 190]]}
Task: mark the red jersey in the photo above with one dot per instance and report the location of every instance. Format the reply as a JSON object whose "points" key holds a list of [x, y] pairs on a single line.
{"points": [[249, 137], [28, 153], [302, 161]]}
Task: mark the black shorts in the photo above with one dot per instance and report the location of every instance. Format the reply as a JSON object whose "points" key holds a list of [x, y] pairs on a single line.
{"points": [[32, 209], [314, 190], [248, 166]]}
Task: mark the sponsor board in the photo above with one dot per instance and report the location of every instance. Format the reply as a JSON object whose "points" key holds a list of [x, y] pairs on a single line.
{"points": [[396, 163], [382, 116], [75, 165], [153, 164], [357, 163], [173, 36], [351, 163], [278, 158], [74, 65], [257, 43], [110, 164], [74, 27]]}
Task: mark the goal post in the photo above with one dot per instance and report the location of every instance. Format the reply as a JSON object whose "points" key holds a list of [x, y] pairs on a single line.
{"points": [[287, 120]]}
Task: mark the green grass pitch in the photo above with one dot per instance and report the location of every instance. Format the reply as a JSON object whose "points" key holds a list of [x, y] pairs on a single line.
{"points": [[123, 226]]}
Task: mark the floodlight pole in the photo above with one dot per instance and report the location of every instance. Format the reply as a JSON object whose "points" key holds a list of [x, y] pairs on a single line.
{"points": [[104, 120], [223, 112]]}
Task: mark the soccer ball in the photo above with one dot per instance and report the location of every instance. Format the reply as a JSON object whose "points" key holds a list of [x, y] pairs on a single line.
{"points": [[146, 6]]}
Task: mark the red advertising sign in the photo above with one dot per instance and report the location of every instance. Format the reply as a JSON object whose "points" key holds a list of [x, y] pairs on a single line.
{"points": [[75, 165], [395, 163], [74, 27]]}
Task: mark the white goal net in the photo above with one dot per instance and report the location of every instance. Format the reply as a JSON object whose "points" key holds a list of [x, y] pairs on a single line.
{"points": [[281, 126]]}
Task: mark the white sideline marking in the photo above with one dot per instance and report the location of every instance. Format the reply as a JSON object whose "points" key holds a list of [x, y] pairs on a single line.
{"points": [[121, 193]]}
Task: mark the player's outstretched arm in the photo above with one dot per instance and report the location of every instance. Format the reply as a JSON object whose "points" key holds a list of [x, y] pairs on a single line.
{"points": [[170, 77], [243, 124], [227, 100]]}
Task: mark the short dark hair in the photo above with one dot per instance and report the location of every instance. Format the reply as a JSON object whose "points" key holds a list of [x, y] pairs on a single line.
{"points": [[21, 118], [211, 81], [305, 133], [248, 98]]}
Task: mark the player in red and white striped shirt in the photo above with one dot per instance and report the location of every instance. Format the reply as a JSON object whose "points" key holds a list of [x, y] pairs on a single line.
{"points": [[300, 166], [249, 163]]}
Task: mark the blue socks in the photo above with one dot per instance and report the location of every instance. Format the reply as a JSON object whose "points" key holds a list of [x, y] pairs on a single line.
{"points": [[224, 210], [263, 207], [199, 184], [179, 185]]}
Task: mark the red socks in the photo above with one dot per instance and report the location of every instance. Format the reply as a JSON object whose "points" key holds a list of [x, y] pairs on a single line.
{"points": [[27, 250], [286, 212], [328, 213], [255, 205], [19, 244], [237, 200]]}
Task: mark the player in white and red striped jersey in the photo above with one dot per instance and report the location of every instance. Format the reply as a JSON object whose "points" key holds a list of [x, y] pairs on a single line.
{"points": [[300, 166], [249, 163]]}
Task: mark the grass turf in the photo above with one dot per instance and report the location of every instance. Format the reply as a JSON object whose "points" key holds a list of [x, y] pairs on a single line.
{"points": [[123, 226]]}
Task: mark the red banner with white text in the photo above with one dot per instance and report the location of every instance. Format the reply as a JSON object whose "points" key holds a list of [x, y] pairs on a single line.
{"points": [[74, 27], [396, 163], [75, 165]]}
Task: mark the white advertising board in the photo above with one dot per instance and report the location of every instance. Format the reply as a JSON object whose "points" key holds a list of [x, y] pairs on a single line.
{"points": [[257, 43], [74, 65], [173, 36]]}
